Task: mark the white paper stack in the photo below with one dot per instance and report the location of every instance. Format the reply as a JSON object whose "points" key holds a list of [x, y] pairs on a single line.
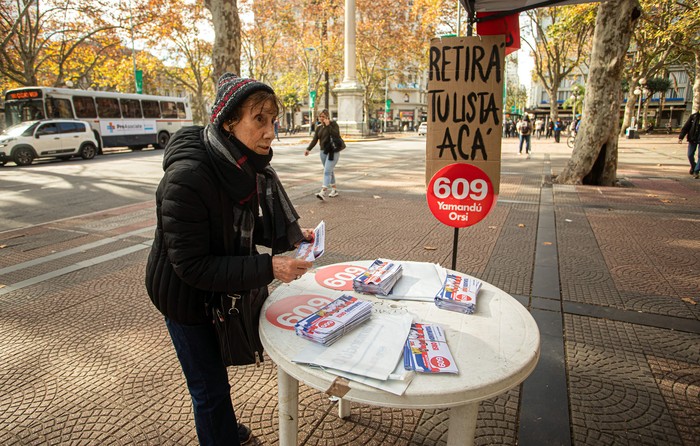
{"points": [[312, 250], [458, 293], [328, 324], [426, 350], [379, 278]]}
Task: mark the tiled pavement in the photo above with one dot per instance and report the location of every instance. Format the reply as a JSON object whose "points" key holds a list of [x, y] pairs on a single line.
{"points": [[612, 276]]}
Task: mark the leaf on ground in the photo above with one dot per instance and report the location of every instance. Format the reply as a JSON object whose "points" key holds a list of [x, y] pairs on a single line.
{"points": [[2, 286], [430, 248], [652, 195], [3, 246], [376, 196], [689, 300], [493, 227], [547, 243], [521, 225], [666, 201]]}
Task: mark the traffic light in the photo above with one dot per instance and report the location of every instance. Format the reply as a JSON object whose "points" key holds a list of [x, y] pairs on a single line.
{"points": [[312, 96]]}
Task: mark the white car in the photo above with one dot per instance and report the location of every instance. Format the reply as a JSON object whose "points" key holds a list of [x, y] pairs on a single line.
{"points": [[423, 128], [50, 138]]}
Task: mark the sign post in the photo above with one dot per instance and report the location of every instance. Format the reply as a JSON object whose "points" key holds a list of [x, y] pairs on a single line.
{"points": [[465, 115]]}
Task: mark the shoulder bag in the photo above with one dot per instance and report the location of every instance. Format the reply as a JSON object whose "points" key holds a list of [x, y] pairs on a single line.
{"points": [[236, 317]]}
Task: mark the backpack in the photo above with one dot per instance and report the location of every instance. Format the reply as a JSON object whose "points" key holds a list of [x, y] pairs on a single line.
{"points": [[525, 128]]}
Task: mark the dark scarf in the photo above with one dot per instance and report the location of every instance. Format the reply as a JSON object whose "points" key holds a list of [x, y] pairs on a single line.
{"points": [[250, 181]]}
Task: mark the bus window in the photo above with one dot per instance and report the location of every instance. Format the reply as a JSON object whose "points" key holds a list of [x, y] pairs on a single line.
{"points": [[181, 110], [168, 109], [150, 109], [131, 108], [108, 107], [84, 107], [59, 108]]}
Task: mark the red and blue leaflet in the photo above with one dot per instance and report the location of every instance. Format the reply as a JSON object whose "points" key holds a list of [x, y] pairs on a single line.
{"points": [[426, 350], [458, 293], [328, 324], [380, 278]]}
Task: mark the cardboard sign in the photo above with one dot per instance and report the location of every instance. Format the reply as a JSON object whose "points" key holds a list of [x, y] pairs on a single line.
{"points": [[465, 102]]}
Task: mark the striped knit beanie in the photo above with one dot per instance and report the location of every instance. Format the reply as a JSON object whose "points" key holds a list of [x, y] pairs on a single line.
{"points": [[231, 91]]}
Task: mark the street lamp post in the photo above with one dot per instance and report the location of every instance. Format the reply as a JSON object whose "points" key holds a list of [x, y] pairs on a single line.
{"points": [[386, 98], [308, 85], [638, 91]]}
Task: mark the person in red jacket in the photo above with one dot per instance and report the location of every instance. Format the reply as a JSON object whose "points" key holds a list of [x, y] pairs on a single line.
{"points": [[218, 200]]}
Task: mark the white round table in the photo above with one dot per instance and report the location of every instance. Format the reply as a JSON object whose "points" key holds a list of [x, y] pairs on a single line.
{"points": [[495, 349]]}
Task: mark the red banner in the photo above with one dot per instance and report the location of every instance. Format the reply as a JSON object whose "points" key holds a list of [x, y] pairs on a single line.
{"points": [[508, 25]]}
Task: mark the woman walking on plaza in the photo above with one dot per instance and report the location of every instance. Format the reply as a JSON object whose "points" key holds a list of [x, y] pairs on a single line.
{"points": [[328, 134], [217, 181]]}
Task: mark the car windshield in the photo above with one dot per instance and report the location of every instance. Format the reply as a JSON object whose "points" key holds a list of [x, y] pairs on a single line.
{"points": [[23, 129]]}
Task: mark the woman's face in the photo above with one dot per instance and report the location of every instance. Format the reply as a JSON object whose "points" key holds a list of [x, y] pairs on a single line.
{"points": [[324, 119], [256, 129]]}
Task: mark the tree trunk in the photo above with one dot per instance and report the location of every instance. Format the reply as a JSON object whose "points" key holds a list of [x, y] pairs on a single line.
{"points": [[226, 54], [594, 158]]}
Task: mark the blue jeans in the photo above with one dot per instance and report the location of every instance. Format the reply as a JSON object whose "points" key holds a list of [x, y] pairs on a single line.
{"points": [[525, 138], [198, 351], [692, 148], [328, 166]]}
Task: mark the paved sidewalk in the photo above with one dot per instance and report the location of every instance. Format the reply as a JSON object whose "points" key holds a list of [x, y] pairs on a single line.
{"points": [[612, 276]]}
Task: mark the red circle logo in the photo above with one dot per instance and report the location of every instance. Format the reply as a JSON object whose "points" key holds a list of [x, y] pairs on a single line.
{"points": [[288, 311], [460, 195], [439, 362], [338, 277]]}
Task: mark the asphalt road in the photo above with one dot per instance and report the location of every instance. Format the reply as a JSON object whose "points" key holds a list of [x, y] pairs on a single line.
{"points": [[51, 190]]}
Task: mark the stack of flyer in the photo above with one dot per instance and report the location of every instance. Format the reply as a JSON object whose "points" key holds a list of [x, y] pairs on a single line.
{"points": [[426, 350], [314, 249], [458, 294], [379, 278], [328, 324]]}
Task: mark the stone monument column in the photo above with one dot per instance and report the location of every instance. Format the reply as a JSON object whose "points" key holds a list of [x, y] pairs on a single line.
{"points": [[350, 92]]}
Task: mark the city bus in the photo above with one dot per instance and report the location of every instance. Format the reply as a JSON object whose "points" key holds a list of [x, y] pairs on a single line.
{"points": [[117, 119]]}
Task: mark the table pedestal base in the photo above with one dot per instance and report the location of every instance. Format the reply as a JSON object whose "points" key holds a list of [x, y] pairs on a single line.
{"points": [[288, 396], [461, 427]]}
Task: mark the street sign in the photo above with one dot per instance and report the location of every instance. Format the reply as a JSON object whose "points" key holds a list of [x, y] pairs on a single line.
{"points": [[312, 95], [139, 81], [387, 107], [460, 195]]}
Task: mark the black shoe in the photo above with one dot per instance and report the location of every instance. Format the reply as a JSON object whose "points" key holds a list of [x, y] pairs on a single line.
{"points": [[692, 168], [244, 434]]}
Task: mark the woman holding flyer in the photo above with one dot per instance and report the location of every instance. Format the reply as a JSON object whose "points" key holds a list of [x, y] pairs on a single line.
{"points": [[218, 200]]}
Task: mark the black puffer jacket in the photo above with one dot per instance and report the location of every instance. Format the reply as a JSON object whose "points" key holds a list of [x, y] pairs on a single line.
{"points": [[188, 260], [691, 128]]}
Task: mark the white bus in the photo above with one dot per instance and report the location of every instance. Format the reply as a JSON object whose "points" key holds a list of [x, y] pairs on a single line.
{"points": [[118, 119]]}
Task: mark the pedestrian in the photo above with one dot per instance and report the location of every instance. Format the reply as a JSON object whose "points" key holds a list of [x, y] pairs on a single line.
{"points": [[277, 129], [691, 128], [538, 127], [524, 128], [217, 180], [558, 127], [550, 129], [326, 130]]}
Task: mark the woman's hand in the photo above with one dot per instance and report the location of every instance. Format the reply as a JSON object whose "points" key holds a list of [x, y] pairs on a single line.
{"points": [[306, 152], [308, 236], [287, 269]]}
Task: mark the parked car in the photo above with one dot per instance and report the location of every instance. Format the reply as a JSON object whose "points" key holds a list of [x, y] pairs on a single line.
{"points": [[423, 128], [50, 138]]}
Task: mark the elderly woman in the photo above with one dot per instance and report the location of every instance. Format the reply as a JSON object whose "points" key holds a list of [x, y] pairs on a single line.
{"points": [[217, 179]]}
